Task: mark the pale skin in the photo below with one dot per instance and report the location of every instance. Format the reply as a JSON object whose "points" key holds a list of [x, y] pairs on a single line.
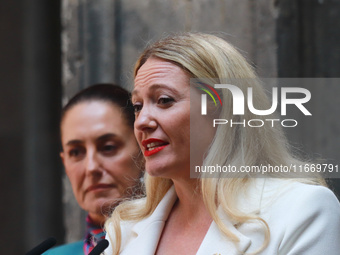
{"points": [[187, 224], [99, 153], [162, 102]]}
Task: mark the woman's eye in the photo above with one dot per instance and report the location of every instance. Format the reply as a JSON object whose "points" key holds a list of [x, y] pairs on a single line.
{"points": [[109, 149], [137, 107], [165, 100], [75, 153]]}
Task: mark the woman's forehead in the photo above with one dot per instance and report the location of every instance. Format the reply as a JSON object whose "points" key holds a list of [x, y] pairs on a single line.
{"points": [[156, 73]]}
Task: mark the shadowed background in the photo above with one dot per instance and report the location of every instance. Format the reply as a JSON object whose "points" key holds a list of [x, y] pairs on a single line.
{"points": [[51, 49]]}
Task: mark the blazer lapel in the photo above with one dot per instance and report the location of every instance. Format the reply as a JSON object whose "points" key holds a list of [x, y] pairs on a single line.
{"points": [[143, 237], [215, 243], [146, 233]]}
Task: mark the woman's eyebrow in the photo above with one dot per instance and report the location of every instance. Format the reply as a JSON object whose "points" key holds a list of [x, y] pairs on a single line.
{"points": [[74, 142], [134, 92], [154, 87], [100, 138], [106, 137]]}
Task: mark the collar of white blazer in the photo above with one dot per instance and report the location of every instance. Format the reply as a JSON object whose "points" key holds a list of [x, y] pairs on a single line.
{"points": [[146, 233]]}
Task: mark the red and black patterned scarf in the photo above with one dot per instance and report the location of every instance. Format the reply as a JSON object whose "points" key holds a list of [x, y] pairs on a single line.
{"points": [[94, 234]]}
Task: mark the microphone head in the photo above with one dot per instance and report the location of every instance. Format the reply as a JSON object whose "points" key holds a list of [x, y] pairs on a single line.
{"points": [[100, 247], [44, 246]]}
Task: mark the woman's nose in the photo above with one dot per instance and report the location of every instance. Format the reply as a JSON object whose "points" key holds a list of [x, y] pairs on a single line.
{"points": [[145, 120], [92, 163]]}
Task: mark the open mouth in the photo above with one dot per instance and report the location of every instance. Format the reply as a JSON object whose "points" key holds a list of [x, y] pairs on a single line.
{"points": [[153, 146]]}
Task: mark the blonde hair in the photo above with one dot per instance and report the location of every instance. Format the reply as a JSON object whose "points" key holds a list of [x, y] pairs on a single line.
{"points": [[210, 57]]}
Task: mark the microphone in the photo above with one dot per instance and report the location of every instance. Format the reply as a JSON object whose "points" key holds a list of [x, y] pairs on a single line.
{"points": [[44, 246], [100, 247]]}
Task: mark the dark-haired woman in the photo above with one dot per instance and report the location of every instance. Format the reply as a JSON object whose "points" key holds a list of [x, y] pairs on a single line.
{"points": [[100, 155]]}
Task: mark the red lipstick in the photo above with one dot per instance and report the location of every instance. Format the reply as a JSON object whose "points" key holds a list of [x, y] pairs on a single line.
{"points": [[152, 146]]}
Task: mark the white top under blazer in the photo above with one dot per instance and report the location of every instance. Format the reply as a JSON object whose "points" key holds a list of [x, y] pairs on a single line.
{"points": [[303, 220]]}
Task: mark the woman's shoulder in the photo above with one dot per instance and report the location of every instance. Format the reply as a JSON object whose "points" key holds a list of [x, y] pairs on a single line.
{"points": [[285, 197], [302, 218], [75, 248], [299, 194]]}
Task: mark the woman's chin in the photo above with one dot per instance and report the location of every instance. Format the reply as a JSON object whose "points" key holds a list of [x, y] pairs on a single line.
{"points": [[103, 205], [157, 172], [154, 173], [167, 173]]}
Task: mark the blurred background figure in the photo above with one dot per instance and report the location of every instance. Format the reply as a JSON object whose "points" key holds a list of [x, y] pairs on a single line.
{"points": [[100, 155], [53, 49]]}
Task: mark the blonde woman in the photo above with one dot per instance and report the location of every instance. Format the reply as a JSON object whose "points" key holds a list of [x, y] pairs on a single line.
{"points": [[220, 215]]}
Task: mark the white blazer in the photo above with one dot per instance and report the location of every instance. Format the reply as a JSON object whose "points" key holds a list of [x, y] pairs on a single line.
{"points": [[303, 220]]}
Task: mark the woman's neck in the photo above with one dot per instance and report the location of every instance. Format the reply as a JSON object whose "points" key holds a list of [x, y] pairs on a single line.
{"points": [[98, 220], [190, 201]]}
